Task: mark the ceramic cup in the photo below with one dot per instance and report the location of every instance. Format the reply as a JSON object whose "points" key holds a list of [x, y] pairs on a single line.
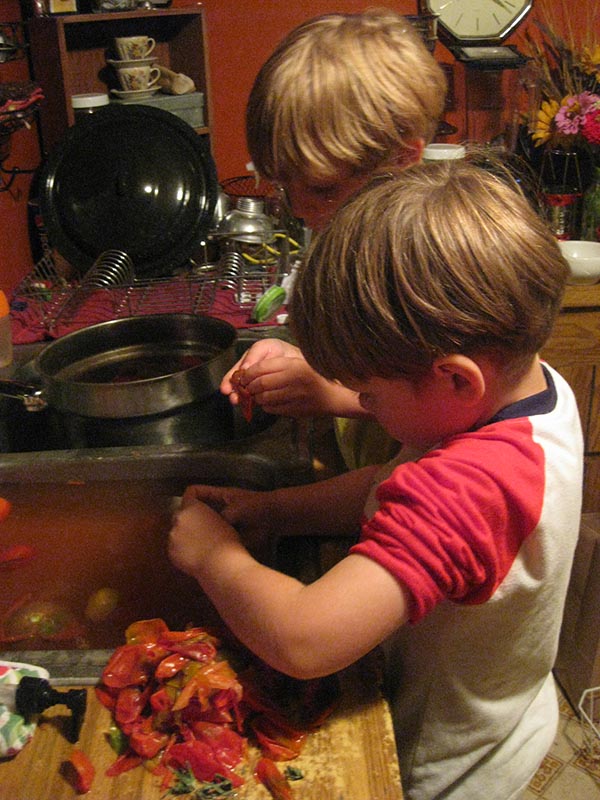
{"points": [[131, 48], [136, 79]]}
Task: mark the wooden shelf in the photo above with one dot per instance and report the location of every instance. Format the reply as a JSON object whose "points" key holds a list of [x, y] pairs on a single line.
{"points": [[69, 56]]}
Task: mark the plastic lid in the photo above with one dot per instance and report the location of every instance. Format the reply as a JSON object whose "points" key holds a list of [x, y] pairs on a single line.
{"points": [[443, 152], [4, 307], [91, 100]]}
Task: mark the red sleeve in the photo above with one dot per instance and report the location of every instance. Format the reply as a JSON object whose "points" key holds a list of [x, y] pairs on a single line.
{"points": [[450, 525]]}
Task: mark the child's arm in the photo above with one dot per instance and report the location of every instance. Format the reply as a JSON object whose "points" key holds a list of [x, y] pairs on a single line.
{"points": [[279, 379], [329, 508], [303, 630]]}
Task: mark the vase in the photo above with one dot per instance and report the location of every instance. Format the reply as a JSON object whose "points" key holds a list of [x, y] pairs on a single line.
{"points": [[590, 226], [562, 191]]}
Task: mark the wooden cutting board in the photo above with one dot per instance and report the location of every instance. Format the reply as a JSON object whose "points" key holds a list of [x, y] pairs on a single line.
{"points": [[352, 757]]}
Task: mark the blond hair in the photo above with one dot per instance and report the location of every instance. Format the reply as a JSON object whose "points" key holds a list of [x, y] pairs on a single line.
{"points": [[343, 91], [442, 258]]}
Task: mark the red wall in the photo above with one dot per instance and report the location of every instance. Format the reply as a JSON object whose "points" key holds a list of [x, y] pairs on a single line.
{"points": [[241, 34], [15, 256]]}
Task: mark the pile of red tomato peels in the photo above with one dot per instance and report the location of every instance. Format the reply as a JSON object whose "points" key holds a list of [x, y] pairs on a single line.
{"points": [[179, 708]]}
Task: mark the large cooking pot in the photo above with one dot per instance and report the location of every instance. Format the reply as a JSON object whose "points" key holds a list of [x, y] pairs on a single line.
{"points": [[131, 367]]}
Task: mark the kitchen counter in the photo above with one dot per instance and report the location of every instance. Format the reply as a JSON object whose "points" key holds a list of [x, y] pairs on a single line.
{"points": [[352, 757]]}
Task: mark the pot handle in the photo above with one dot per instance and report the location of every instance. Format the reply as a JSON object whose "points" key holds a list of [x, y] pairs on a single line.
{"points": [[31, 396]]}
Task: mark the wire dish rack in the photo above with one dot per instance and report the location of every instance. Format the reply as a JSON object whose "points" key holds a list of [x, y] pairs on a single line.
{"points": [[46, 304], [45, 301]]}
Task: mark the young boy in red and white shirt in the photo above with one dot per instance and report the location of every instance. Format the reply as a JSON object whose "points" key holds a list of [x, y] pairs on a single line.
{"points": [[430, 294]]}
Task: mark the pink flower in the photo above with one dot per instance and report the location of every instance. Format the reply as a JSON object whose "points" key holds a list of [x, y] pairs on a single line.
{"points": [[569, 117], [588, 100]]}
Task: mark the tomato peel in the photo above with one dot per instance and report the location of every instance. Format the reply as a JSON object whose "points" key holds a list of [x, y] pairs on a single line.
{"points": [[5, 508], [184, 711], [146, 631], [245, 398], [82, 771], [16, 556], [268, 774], [125, 762]]}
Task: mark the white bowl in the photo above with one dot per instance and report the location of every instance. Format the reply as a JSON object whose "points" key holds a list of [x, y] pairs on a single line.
{"points": [[584, 260]]}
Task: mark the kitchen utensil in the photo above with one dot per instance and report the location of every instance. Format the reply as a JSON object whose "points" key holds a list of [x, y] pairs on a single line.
{"points": [[131, 367], [32, 695], [25, 692], [133, 178]]}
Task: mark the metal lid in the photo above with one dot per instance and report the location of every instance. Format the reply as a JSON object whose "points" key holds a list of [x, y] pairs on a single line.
{"points": [[130, 178]]}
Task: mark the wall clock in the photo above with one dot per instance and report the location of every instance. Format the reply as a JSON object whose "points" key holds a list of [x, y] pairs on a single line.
{"points": [[474, 30]]}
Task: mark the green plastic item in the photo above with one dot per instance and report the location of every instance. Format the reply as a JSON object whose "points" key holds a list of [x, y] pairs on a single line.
{"points": [[268, 303]]}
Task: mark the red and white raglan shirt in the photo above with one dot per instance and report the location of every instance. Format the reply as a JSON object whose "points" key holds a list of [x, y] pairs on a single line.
{"points": [[481, 530]]}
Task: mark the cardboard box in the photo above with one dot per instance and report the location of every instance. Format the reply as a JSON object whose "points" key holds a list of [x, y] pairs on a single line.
{"points": [[578, 661], [188, 107]]}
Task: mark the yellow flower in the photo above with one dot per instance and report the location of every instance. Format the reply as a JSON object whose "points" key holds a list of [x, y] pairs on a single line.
{"points": [[590, 60], [545, 118]]}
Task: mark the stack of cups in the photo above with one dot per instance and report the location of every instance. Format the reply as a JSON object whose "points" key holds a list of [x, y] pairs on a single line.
{"points": [[135, 68]]}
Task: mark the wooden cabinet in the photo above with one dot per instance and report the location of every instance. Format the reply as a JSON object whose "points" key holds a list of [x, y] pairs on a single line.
{"points": [[69, 56], [574, 350]]}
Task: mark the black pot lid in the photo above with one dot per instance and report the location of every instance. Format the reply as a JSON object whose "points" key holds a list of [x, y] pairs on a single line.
{"points": [[132, 178]]}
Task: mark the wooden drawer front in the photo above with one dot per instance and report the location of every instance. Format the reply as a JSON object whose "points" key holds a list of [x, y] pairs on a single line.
{"points": [[575, 338], [591, 486], [593, 435], [574, 350]]}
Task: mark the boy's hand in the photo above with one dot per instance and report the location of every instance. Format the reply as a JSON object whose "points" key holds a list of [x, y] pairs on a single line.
{"points": [[278, 378], [261, 350], [198, 536], [250, 513]]}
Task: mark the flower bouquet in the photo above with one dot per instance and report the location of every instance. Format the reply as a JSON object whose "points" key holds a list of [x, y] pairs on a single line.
{"points": [[563, 122]]}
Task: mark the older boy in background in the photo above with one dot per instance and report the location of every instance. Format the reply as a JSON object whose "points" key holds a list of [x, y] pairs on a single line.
{"points": [[343, 97], [442, 285]]}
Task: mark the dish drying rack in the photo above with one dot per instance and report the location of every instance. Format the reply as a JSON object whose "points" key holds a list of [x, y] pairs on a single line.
{"points": [[47, 303]]}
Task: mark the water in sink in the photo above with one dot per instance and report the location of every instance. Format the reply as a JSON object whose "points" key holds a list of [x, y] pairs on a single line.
{"points": [[81, 558]]}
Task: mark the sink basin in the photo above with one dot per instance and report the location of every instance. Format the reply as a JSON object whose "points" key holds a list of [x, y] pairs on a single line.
{"points": [[83, 551]]}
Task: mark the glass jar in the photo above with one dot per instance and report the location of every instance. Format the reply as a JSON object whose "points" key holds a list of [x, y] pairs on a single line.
{"points": [[444, 152], [562, 193], [85, 104], [590, 226]]}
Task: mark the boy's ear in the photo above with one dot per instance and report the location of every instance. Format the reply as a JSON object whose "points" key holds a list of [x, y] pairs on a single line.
{"points": [[463, 376]]}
